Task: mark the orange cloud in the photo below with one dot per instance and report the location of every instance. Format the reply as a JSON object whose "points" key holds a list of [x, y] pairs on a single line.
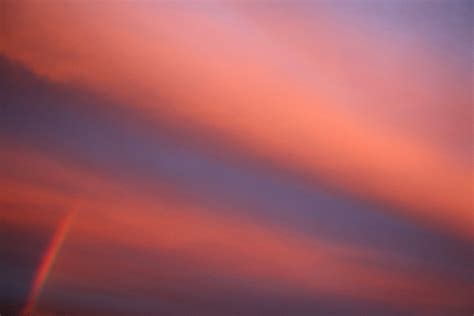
{"points": [[110, 214], [197, 68]]}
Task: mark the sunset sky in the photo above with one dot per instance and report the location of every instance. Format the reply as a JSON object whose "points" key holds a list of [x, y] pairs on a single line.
{"points": [[236, 158]]}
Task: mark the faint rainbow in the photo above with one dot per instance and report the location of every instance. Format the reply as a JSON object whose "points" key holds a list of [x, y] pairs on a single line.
{"points": [[47, 263]]}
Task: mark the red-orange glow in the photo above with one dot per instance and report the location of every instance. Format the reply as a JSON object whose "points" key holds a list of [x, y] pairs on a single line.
{"points": [[298, 126], [235, 158], [228, 245]]}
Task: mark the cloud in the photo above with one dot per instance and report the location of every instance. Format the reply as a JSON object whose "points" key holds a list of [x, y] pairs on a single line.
{"points": [[210, 68], [114, 221], [234, 159]]}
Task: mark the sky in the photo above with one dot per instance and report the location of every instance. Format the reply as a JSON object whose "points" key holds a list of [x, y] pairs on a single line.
{"points": [[236, 158]]}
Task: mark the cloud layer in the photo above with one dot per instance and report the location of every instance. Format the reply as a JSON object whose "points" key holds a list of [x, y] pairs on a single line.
{"points": [[220, 158]]}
